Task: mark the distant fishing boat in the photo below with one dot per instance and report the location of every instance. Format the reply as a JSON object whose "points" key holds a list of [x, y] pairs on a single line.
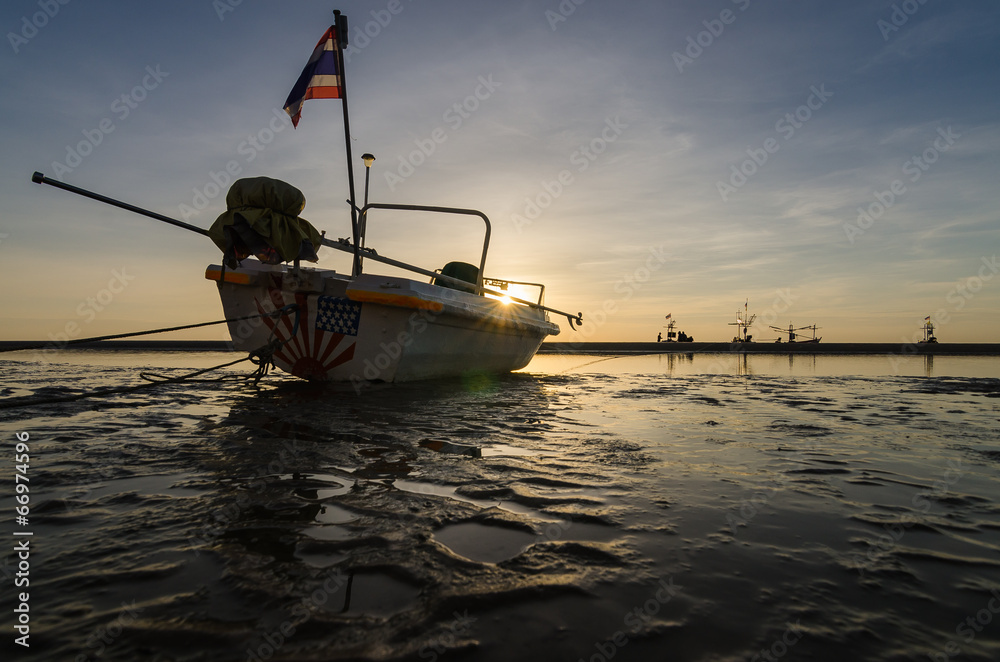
{"points": [[929, 338], [744, 320], [319, 324], [795, 337], [673, 336]]}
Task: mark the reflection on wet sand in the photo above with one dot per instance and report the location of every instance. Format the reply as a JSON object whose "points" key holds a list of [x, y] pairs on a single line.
{"points": [[303, 522]]}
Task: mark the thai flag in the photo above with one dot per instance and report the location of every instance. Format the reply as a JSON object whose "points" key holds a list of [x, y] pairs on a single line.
{"points": [[320, 79], [669, 315]]}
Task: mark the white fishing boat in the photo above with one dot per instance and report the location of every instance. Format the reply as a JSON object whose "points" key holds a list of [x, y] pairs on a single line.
{"points": [[362, 326], [373, 327]]}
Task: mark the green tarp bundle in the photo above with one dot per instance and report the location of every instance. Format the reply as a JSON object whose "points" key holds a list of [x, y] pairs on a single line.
{"points": [[262, 219]]}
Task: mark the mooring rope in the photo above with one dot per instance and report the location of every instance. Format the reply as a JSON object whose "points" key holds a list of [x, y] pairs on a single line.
{"points": [[262, 357], [79, 341]]}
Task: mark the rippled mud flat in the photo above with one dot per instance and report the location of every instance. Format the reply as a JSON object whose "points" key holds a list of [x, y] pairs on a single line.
{"points": [[535, 515]]}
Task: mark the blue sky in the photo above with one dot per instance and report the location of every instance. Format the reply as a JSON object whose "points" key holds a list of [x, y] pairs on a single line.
{"points": [[639, 158]]}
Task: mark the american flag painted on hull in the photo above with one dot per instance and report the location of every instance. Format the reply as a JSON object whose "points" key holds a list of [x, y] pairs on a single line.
{"points": [[326, 336], [338, 315]]}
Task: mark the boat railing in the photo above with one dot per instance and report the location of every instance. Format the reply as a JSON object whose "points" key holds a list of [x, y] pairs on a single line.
{"points": [[363, 222], [503, 285], [360, 251]]}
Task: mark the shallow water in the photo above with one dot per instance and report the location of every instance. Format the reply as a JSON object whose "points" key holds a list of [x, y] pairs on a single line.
{"points": [[637, 508]]}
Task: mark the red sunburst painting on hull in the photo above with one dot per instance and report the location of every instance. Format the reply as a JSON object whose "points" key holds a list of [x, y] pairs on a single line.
{"points": [[325, 339]]}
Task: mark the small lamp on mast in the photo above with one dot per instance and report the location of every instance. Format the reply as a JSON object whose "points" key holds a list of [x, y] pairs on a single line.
{"points": [[368, 158]]}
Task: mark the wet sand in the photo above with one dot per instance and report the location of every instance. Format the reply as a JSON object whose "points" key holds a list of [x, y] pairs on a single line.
{"points": [[613, 511]]}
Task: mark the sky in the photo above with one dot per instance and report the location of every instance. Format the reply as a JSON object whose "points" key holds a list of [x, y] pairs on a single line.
{"points": [[828, 163]]}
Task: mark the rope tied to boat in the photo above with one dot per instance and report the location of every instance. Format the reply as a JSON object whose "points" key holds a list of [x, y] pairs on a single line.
{"points": [[62, 344], [261, 357]]}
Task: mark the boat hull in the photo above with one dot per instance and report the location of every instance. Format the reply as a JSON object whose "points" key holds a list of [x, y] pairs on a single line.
{"points": [[374, 328]]}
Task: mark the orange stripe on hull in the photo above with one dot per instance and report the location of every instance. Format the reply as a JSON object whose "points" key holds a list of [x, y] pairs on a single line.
{"points": [[397, 300], [234, 277]]}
